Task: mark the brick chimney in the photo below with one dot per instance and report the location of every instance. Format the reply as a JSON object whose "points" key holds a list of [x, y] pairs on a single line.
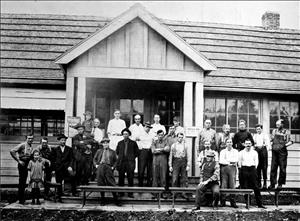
{"points": [[271, 20]]}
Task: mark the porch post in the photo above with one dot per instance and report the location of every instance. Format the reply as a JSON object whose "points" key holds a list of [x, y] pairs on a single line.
{"points": [[81, 96], [69, 103], [188, 116], [199, 104]]}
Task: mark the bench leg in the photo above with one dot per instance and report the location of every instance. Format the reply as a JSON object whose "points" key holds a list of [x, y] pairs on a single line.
{"points": [[55, 193], [248, 201], [173, 200], [83, 198], [159, 195], [276, 198]]}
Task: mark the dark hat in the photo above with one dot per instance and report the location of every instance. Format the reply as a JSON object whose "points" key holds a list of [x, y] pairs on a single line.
{"points": [[210, 154], [79, 126], [60, 136], [88, 113], [148, 124], [175, 119], [105, 139], [126, 129]]}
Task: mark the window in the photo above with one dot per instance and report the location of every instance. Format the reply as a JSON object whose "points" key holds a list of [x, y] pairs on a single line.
{"points": [[167, 109], [131, 107], [289, 113], [229, 111]]}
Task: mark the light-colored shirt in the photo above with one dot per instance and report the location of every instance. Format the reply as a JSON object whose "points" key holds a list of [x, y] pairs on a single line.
{"points": [[202, 156], [157, 127], [145, 140], [62, 148], [179, 129], [136, 131], [98, 134], [115, 127], [261, 140], [178, 150], [248, 158], [229, 157]]}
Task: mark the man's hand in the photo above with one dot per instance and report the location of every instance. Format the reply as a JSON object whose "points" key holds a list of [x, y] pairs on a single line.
{"points": [[171, 169], [70, 169], [22, 163], [97, 166], [187, 168]]}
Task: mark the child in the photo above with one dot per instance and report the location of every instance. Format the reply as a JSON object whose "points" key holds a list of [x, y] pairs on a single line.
{"points": [[36, 167]]}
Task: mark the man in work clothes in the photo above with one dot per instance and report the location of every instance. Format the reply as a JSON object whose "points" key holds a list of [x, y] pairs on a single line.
{"points": [[209, 176], [145, 156], [114, 128], [207, 133], [223, 136], [105, 162], [280, 139], [248, 161], [203, 154], [127, 151], [46, 152], [22, 153], [262, 145], [136, 129], [157, 126]]}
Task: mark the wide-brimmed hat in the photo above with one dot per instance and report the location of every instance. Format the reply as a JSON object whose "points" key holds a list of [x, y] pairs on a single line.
{"points": [[60, 136], [88, 113], [79, 126], [210, 154], [148, 124], [105, 139], [126, 129]]}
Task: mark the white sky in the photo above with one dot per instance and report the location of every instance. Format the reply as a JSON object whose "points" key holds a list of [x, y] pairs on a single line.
{"points": [[229, 12]]}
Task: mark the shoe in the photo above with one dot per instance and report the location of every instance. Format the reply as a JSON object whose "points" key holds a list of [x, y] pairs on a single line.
{"points": [[46, 198], [102, 203], [22, 202], [234, 205], [130, 195], [262, 206], [32, 202], [60, 201], [223, 204], [196, 208], [264, 187], [279, 187], [117, 203], [38, 202], [271, 187]]}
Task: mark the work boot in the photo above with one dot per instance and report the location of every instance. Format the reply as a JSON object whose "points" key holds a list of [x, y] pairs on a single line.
{"points": [[33, 202], [196, 208], [265, 185], [38, 202]]}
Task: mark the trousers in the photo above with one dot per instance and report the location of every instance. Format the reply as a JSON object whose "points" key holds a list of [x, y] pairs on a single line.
{"points": [[262, 164], [200, 193], [23, 173], [179, 175], [279, 159], [160, 170], [145, 164], [228, 180]]}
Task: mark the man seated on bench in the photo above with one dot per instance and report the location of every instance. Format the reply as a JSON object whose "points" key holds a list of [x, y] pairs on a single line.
{"points": [[209, 176], [105, 161]]}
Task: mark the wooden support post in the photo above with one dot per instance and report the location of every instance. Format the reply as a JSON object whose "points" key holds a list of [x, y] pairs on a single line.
{"points": [[81, 97]]}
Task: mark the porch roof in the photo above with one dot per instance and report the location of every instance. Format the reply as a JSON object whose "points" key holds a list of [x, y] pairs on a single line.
{"points": [[243, 54]]}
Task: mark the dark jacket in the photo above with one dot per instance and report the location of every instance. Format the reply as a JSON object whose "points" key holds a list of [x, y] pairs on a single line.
{"points": [[112, 157], [62, 160], [132, 151], [240, 137]]}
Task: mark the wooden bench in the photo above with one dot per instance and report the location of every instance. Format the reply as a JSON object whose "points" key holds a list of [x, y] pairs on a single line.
{"points": [[121, 189], [282, 190], [55, 186], [247, 192]]}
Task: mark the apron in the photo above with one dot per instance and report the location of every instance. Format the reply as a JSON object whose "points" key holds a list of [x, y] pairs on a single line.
{"points": [[278, 142]]}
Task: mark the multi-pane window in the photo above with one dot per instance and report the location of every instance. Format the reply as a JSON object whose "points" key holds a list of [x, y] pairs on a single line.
{"points": [[289, 113], [167, 109], [131, 107], [230, 111]]}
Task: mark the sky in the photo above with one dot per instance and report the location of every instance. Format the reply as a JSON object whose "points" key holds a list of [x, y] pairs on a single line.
{"points": [[228, 12]]}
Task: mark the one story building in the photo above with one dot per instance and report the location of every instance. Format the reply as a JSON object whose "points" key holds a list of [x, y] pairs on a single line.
{"points": [[59, 66]]}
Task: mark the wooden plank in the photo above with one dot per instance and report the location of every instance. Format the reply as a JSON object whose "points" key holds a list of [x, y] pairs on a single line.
{"points": [[98, 54], [35, 40], [137, 46], [190, 65], [29, 55], [175, 58], [145, 43], [33, 81], [48, 34], [156, 50], [19, 63], [34, 47], [31, 73], [118, 48]]}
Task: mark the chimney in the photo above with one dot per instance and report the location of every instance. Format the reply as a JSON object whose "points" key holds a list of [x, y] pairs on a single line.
{"points": [[271, 20]]}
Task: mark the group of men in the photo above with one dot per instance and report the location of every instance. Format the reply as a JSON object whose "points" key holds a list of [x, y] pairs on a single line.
{"points": [[158, 153]]}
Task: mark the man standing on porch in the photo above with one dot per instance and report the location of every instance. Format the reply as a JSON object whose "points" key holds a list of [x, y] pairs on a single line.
{"points": [[137, 130], [157, 126], [114, 128], [207, 133]]}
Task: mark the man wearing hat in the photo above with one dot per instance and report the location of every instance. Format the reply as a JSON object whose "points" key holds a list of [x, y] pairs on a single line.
{"points": [[209, 176], [114, 128], [145, 155], [105, 162], [82, 153], [127, 151], [62, 164], [88, 122]]}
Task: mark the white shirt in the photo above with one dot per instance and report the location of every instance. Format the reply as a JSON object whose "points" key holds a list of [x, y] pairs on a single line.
{"points": [[157, 127], [248, 158], [202, 156], [98, 134], [62, 148], [227, 157], [115, 126], [179, 129], [262, 139], [145, 140], [136, 131]]}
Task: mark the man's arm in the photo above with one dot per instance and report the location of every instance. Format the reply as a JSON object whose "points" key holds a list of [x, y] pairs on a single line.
{"points": [[171, 156], [289, 142], [216, 175], [255, 158], [223, 160], [13, 152], [250, 138]]}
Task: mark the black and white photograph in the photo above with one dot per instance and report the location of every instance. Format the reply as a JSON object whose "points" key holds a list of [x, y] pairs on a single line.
{"points": [[150, 110]]}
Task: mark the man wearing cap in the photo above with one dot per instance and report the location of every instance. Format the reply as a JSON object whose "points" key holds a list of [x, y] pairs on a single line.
{"points": [[209, 176], [127, 151], [223, 136], [280, 139], [88, 122], [157, 126], [46, 152], [262, 145], [114, 128], [203, 154], [145, 155], [160, 150], [248, 161], [62, 164], [82, 144], [136, 129], [207, 133], [22, 153], [105, 162], [178, 128]]}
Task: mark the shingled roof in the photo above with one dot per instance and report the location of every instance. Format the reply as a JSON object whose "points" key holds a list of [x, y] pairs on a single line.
{"points": [[246, 57]]}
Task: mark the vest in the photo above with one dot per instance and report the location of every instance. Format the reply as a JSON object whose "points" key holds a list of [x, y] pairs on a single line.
{"points": [[208, 170]]}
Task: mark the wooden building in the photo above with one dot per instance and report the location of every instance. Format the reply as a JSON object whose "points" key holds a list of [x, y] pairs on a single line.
{"points": [[55, 66]]}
